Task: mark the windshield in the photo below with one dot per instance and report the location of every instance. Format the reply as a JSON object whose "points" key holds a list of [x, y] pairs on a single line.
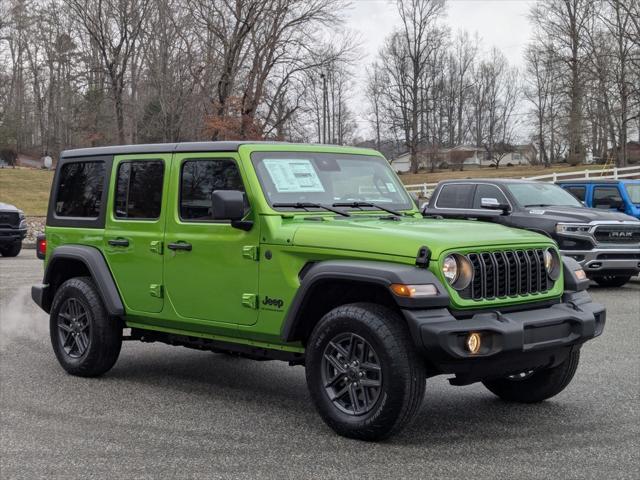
{"points": [[328, 178], [542, 195], [633, 190]]}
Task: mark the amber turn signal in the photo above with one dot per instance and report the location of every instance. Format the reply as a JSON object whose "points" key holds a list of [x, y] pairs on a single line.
{"points": [[580, 275], [413, 291]]}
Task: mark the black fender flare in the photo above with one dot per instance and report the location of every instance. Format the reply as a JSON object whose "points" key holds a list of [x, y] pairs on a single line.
{"points": [[97, 266], [362, 271]]}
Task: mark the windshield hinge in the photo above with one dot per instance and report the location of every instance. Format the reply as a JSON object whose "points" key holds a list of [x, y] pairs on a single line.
{"points": [[423, 257], [251, 252]]}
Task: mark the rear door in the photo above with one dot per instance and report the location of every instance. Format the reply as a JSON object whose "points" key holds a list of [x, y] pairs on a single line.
{"points": [[134, 230]]}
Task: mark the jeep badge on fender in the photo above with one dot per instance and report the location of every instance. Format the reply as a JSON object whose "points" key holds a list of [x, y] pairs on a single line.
{"points": [[311, 254]]}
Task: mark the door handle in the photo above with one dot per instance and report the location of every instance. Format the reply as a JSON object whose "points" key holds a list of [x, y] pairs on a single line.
{"points": [[180, 246], [119, 242]]}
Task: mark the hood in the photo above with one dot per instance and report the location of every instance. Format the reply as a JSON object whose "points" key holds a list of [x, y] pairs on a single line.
{"points": [[405, 236], [578, 214], [6, 207]]}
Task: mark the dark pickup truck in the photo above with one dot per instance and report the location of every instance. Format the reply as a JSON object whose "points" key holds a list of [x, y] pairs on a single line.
{"points": [[605, 243], [13, 229]]}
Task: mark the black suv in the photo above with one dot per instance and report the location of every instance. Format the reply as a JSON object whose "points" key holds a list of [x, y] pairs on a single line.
{"points": [[605, 243], [13, 229]]}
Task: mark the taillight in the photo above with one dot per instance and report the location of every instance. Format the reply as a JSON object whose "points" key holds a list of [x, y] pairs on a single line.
{"points": [[41, 247]]}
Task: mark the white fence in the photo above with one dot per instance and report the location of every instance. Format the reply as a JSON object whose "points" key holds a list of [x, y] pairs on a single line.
{"points": [[424, 189]]}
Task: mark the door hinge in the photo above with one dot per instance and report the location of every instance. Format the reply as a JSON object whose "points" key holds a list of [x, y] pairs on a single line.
{"points": [[155, 290], [250, 300], [251, 252], [156, 247]]}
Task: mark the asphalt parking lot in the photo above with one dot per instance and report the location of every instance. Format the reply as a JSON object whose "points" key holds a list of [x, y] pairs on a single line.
{"points": [[170, 412]]}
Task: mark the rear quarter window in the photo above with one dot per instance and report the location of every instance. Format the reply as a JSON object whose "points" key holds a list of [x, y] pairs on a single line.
{"points": [[80, 188], [79, 192]]}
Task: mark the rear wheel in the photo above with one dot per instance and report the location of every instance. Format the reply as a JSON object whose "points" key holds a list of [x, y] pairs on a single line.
{"points": [[535, 386], [612, 280], [11, 250], [364, 374], [85, 339]]}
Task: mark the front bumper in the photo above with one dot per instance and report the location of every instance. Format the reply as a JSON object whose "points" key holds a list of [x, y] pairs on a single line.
{"points": [[10, 235], [511, 341], [605, 259]]}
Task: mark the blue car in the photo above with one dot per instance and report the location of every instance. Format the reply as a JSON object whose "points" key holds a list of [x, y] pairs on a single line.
{"points": [[620, 195]]}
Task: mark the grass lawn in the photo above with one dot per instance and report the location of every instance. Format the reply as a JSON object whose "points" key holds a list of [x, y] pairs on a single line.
{"points": [[26, 188], [488, 172]]}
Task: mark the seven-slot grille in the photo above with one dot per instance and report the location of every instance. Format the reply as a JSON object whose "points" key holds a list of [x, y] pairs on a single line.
{"points": [[507, 273], [9, 219], [617, 233]]}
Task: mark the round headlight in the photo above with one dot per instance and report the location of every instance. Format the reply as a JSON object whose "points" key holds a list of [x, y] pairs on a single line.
{"points": [[458, 271], [450, 268], [552, 263]]}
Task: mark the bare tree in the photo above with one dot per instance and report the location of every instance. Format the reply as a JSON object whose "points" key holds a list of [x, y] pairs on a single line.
{"points": [[114, 27]]}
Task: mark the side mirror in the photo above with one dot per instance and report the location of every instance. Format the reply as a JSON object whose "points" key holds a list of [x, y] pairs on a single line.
{"points": [[494, 204], [227, 205]]}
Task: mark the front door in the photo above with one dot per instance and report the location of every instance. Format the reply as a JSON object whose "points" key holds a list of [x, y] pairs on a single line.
{"points": [[134, 229], [211, 268]]}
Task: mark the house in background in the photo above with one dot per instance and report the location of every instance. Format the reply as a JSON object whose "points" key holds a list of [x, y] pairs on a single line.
{"points": [[467, 156]]}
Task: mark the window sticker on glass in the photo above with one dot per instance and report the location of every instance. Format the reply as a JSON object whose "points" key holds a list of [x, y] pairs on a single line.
{"points": [[293, 175], [391, 187]]}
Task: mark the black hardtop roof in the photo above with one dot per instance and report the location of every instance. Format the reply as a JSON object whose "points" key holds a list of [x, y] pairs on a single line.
{"points": [[222, 146]]}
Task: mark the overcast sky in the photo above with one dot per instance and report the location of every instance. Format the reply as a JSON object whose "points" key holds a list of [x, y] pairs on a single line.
{"points": [[500, 23]]}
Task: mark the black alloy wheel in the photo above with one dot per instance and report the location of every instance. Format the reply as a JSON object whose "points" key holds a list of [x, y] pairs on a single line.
{"points": [[74, 329], [351, 374]]}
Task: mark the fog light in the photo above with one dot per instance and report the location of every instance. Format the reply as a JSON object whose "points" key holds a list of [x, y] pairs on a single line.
{"points": [[580, 275], [473, 342]]}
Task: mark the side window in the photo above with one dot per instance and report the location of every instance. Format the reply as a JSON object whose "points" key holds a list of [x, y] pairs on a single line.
{"points": [[198, 180], [488, 191], [139, 190], [80, 190], [578, 192], [455, 196], [604, 197]]}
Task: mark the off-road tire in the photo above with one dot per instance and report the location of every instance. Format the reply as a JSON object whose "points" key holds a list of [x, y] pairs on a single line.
{"points": [[612, 280], [403, 372], [539, 386], [11, 250], [105, 332]]}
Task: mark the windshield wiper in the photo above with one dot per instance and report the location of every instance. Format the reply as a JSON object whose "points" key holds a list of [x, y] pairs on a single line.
{"points": [[307, 205], [368, 204], [538, 205]]}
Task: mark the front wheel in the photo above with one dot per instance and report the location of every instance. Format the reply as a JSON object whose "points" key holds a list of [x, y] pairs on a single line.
{"points": [[535, 386], [85, 339], [612, 280], [363, 372]]}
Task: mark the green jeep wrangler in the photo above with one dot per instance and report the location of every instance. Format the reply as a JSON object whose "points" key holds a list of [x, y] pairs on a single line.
{"points": [[311, 254]]}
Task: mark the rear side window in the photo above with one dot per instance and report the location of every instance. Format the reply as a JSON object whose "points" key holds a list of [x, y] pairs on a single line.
{"points": [[139, 190], [198, 180], [80, 188], [578, 192], [455, 196]]}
